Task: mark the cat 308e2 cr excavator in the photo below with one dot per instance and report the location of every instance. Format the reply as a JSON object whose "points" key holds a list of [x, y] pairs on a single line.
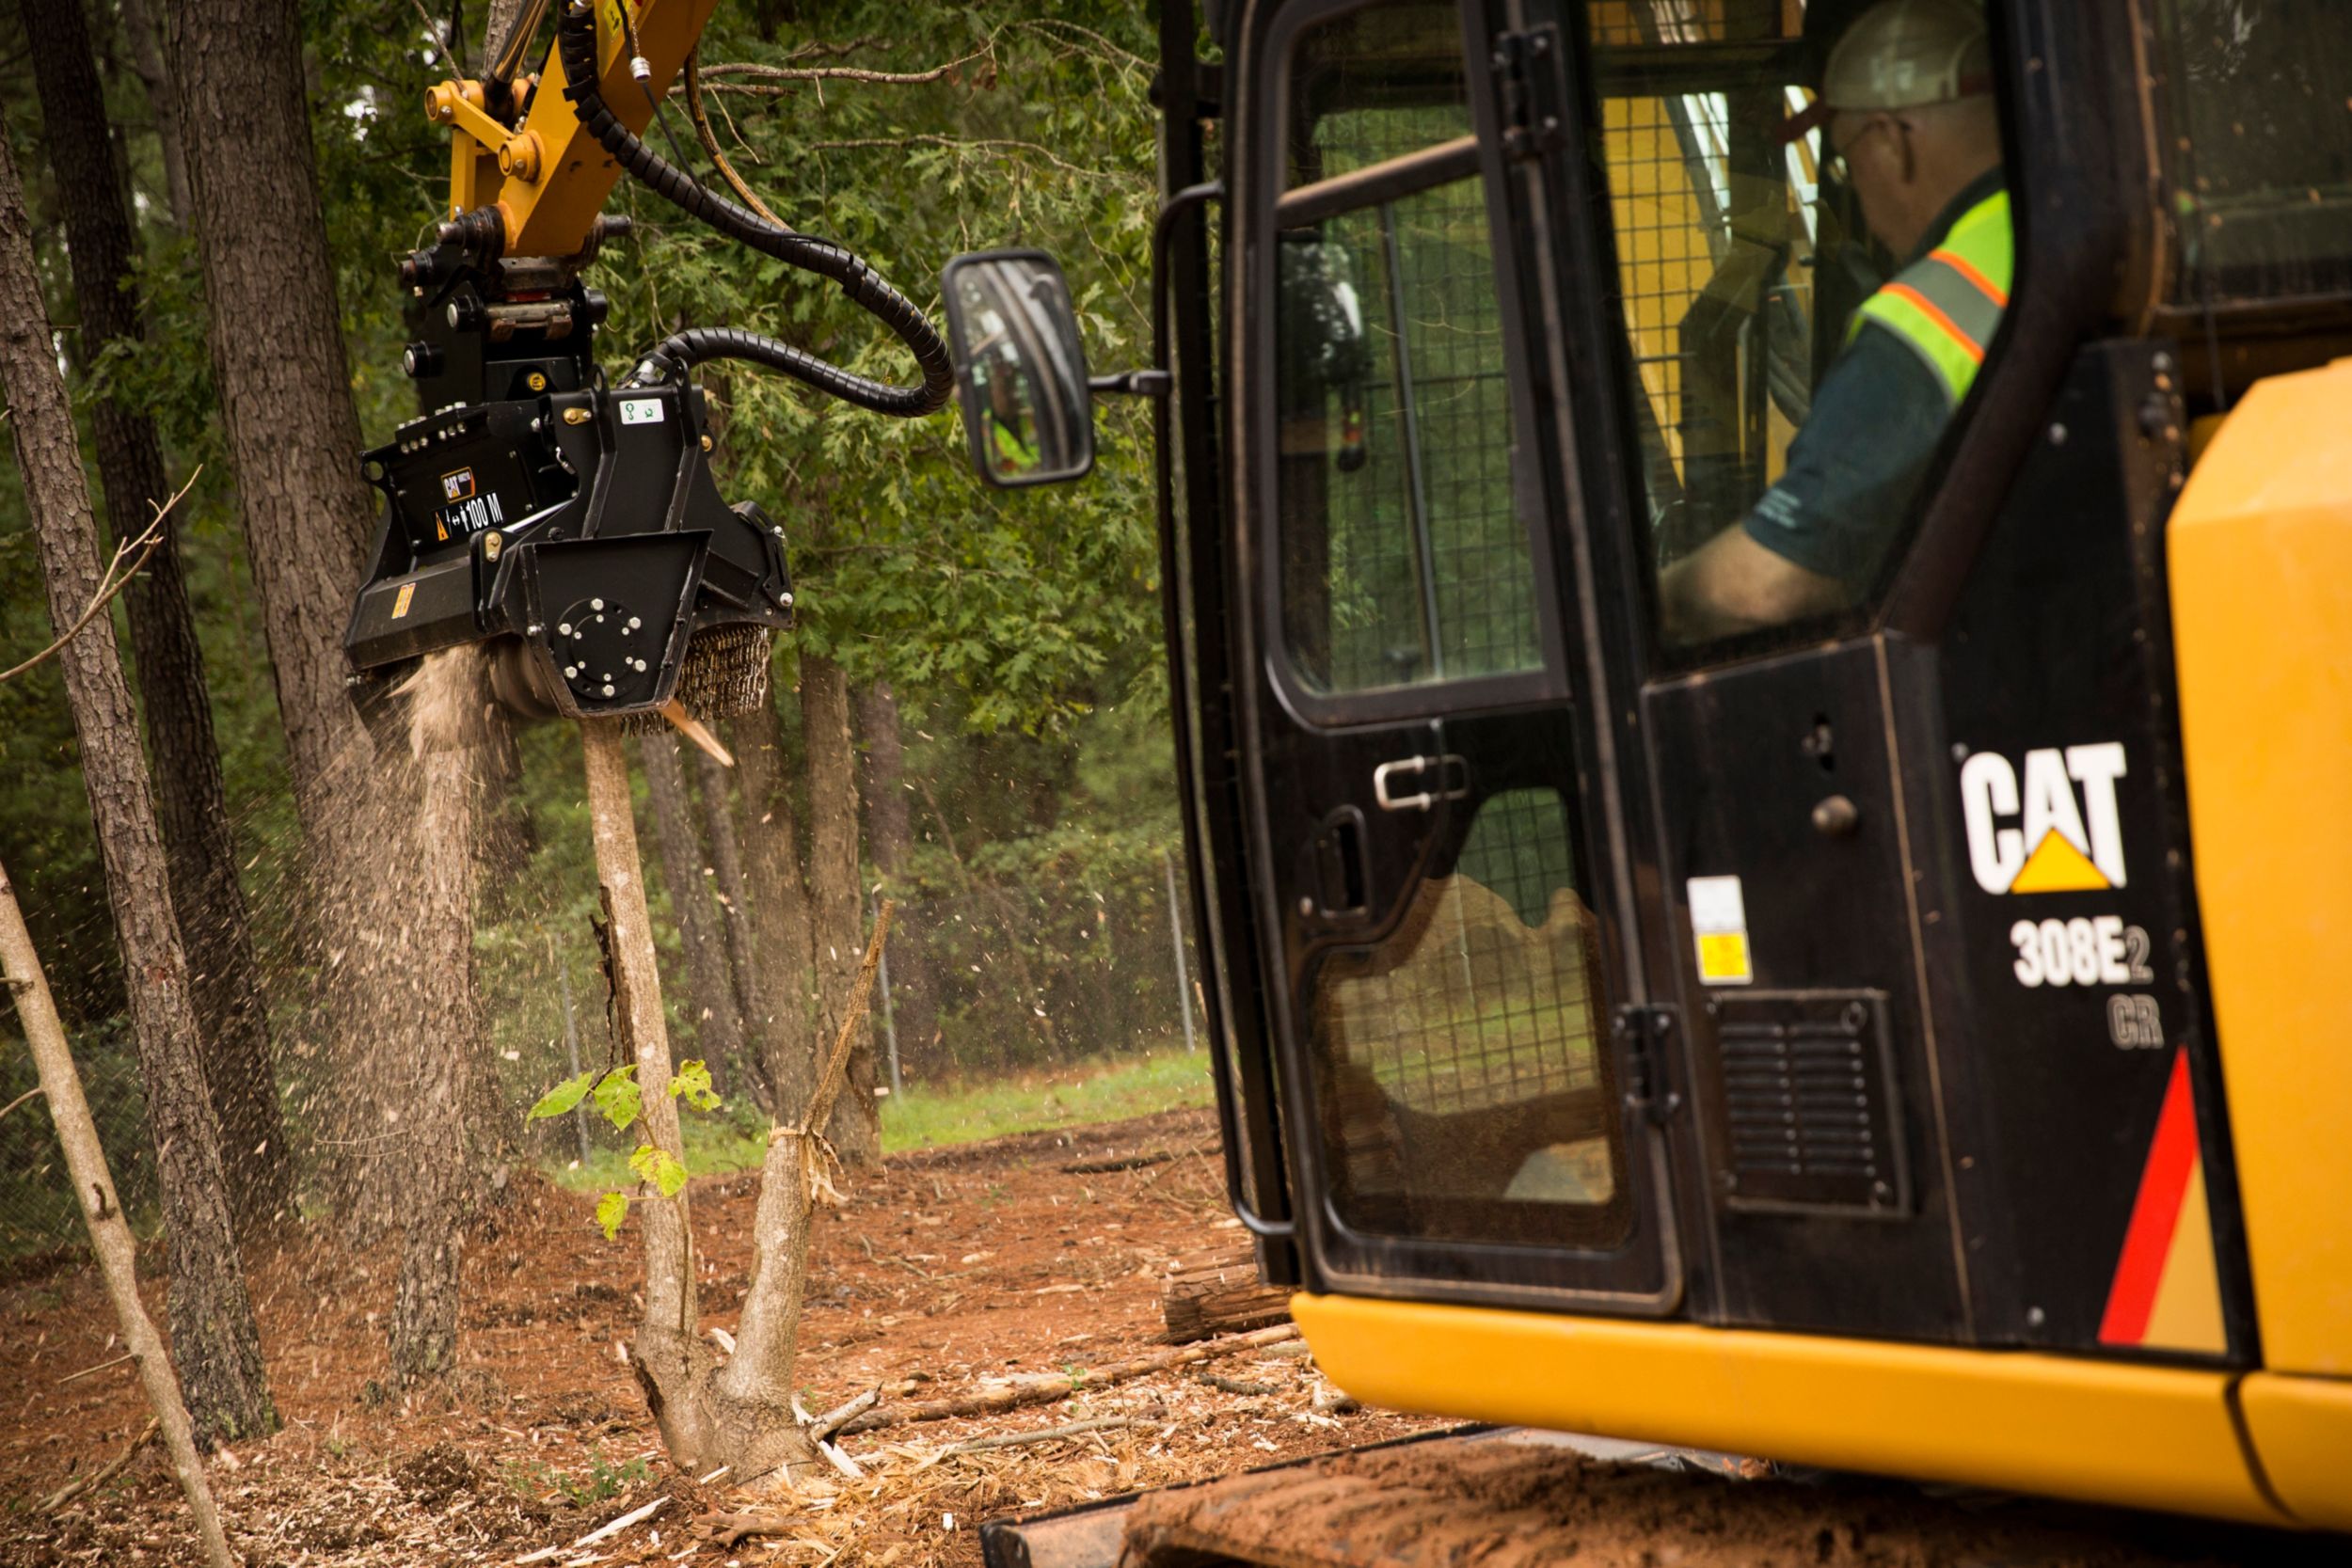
{"points": [[1755, 616]]}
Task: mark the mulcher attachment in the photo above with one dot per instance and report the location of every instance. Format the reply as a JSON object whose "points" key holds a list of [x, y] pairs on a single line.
{"points": [[578, 533]]}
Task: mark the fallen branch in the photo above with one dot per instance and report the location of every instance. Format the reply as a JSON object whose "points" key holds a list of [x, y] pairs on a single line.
{"points": [[1241, 1385], [634, 1517], [150, 539], [1130, 1162], [1050, 1434], [97, 1478], [1046, 1390], [848, 1410], [733, 1528], [76, 1377]]}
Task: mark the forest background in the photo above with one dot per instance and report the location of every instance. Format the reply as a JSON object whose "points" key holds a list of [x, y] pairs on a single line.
{"points": [[995, 653]]}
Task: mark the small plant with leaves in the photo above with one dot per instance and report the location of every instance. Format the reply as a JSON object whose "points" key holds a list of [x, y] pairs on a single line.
{"points": [[618, 1098]]}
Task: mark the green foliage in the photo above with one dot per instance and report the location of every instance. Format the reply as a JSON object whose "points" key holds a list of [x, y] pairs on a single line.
{"points": [[561, 1098], [692, 1082], [654, 1166], [602, 1481], [612, 1209], [617, 1096]]}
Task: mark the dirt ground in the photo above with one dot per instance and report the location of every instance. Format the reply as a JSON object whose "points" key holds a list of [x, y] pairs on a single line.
{"points": [[955, 1266]]}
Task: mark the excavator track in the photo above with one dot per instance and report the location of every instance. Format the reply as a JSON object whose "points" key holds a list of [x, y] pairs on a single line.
{"points": [[1510, 1497]]}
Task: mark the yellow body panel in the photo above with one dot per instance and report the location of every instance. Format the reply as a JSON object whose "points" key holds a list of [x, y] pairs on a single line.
{"points": [[2100, 1430], [2261, 552], [549, 212], [2301, 1427]]}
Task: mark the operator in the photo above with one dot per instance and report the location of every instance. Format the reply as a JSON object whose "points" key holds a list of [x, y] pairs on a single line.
{"points": [[1907, 110], [1011, 451]]}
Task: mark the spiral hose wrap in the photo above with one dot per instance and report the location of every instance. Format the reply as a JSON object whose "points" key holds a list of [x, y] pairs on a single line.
{"points": [[576, 46]]}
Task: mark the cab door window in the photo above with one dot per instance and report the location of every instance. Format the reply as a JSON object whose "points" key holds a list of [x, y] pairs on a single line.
{"points": [[1462, 1083], [1404, 554], [1812, 266]]}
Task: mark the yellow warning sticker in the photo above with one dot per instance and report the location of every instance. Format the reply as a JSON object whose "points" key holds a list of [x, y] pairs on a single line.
{"points": [[400, 601], [1719, 925]]}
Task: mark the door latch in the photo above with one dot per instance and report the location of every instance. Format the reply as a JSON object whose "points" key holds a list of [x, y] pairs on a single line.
{"points": [[1452, 782], [1529, 71], [1646, 1030]]}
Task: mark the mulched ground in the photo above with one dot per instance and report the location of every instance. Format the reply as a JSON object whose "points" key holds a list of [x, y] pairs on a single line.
{"points": [[984, 1262]]}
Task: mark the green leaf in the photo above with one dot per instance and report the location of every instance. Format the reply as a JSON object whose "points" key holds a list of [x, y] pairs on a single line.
{"points": [[694, 1082], [612, 1209], [561, 1098], [656, 1165], [618, 1097]]}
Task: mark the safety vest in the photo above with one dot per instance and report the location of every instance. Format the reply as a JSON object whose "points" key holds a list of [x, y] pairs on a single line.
{"points": [[1947, 304]]}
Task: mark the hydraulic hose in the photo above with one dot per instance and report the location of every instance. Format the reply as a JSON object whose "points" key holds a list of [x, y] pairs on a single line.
{"points": [[576, 46]]}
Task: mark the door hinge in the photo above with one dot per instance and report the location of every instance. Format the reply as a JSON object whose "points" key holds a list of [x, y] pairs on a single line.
{"points": [[1528, 75], [1646, 1030]]}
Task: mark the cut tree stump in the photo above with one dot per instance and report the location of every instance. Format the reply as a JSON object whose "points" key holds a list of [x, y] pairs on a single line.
{"points": [[1219, 1292]]}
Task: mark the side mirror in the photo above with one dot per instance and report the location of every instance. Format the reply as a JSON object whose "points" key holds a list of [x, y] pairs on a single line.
{"points": [[1021, 369]]}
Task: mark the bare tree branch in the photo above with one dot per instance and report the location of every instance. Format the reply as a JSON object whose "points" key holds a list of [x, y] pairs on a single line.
{"points": [[109, 584]]}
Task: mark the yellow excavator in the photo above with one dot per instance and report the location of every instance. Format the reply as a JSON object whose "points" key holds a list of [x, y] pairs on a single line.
{"points": [[1754, 594]]}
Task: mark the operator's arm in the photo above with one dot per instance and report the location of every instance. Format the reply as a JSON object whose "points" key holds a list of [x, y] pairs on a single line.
{"points": [[1814, 539]]}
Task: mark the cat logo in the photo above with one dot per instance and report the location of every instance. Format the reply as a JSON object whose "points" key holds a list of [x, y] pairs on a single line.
{"points": [[456, 485], [2060, 834]]}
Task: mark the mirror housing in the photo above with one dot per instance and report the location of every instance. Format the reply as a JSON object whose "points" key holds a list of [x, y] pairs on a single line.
{"points": [[1021, 369]]}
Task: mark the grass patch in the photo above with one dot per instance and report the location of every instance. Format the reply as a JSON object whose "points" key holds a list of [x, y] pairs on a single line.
{"points": [[931, 1117]]}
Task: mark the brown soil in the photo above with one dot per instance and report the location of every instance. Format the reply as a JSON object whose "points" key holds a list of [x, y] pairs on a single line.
{"points": [[955, 1267]]}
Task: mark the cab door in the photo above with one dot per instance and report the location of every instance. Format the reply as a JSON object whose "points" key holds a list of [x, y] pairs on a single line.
{"points": [[1438, 821]]}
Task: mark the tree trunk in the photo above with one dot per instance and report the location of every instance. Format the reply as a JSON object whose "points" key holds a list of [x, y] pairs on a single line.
{"points": [[147, 58], [890, 835], [673, 1363], [212, 1334], [201, 856], [719, 1027], [782, 1015], [839, 925], [734, 896], [283, 379], [281, 371], [102, 1214], [446, 704]]}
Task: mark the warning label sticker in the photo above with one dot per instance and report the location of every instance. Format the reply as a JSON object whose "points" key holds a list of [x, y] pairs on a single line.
{"points": [[1719, 926], [400, 600], [641, 410]]}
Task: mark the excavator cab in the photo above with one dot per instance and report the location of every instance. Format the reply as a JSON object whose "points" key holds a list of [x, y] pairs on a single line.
{"points": [[1758, 1033]]}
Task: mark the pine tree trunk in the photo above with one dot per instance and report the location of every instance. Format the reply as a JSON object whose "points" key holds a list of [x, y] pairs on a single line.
{"points": [[284, 380], [280, 368], [147, 58], [231, 1018], [719, 1027], [839, 925], [890, 834], [213, 1338], [783, 1015]]}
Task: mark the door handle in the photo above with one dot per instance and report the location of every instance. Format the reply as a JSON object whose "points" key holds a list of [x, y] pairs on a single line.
{"points": [[1452, 782]]}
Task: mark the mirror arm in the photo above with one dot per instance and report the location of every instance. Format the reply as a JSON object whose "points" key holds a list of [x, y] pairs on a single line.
{"points": [[1133, 384]]}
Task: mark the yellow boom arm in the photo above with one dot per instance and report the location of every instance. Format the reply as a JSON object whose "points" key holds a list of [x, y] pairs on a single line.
{"points": [[548, 178]]}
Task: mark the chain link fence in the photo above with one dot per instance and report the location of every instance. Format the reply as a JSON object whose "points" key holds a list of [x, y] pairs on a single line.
{"points": [[986, 978]]}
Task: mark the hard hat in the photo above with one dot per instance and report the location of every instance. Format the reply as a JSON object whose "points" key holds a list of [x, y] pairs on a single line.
{"points": [[1902, 55]]}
